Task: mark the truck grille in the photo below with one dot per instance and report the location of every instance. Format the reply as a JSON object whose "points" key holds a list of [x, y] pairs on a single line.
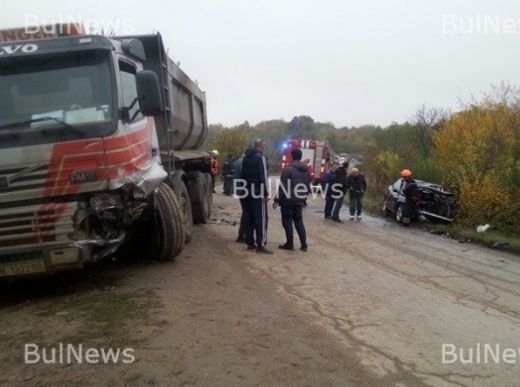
{"points": [[37, 225], [25, 182]]}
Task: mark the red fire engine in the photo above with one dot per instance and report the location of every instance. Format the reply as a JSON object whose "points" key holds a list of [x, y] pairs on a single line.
{"points": [[315, 151]]}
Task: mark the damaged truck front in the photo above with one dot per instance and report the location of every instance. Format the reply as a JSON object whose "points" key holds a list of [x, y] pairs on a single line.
{"points": [[99, 140]]}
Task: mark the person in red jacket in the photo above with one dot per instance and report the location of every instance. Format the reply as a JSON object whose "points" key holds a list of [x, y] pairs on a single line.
{"points": [[214, 167]]}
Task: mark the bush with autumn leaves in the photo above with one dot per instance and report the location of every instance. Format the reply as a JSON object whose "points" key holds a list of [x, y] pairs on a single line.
{"points": [[477, 153]]}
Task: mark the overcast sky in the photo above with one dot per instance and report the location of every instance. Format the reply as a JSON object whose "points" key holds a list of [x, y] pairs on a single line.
{"points": [[344, 61]]}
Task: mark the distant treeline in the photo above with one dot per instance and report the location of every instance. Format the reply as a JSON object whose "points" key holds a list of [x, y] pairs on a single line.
{"points": [[474, 151]]}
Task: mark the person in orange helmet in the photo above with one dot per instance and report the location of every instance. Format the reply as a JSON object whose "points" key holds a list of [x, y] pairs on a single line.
{"points": [[214, 167], [411, 193]]}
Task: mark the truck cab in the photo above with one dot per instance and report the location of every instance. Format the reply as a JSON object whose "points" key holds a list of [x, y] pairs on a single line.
{"points": [[90, 156]]}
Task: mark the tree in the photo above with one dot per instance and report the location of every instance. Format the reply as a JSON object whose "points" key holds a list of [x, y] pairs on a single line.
{"points": [[427, 121]]}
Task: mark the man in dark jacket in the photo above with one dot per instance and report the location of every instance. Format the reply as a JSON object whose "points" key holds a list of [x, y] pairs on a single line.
{"points": [[254, 175], [357, 187], [292, 193], [340, 187], [411, 193], [227, 174], [237, 176], [328, 181]]}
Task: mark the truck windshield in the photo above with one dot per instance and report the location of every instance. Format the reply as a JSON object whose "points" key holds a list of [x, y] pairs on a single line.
{"points": [[58, 98]]}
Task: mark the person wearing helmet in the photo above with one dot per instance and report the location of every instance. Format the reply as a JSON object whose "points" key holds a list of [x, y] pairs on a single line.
{"points": [[214, 167], [411, 193]]}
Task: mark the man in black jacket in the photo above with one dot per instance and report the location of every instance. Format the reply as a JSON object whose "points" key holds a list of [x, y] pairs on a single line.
{"points": [[357, 187], [340, 187], [292, 193], [254, 175], [227, 174]]}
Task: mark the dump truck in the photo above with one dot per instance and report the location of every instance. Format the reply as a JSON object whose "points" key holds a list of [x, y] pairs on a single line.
{"points": [[100, 142]]}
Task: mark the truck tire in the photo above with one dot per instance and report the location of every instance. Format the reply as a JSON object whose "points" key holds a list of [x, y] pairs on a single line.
{"points": [[169, 225], [202, 197], [185, 203]]}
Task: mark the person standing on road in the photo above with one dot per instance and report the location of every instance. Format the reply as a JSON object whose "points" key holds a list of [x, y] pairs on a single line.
{"points": [[340, 188], [237, 173], [227, 174], [357, 187], [292, 193], [254, 174], [328, 182], [214, 168], [411, 193]]}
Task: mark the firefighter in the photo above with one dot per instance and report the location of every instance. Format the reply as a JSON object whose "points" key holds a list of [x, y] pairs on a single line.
{"points": [[254, 175], [292, 193], [214, 167], [411, 193]]}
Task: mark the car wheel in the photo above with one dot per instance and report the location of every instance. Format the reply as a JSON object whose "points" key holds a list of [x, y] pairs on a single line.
{"points": [[385, 210], [399, 213]]}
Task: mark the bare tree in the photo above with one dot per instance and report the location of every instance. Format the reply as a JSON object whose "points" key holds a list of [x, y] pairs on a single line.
{"points": [[427, 121]]}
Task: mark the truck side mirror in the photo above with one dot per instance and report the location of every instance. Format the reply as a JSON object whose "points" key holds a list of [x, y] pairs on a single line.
{"points": [[149, 93]]}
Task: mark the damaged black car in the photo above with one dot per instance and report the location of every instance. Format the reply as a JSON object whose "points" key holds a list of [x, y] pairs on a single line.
{"points": [[436, 204]]}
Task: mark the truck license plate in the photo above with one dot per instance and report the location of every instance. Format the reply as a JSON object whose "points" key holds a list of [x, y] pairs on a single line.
{"points": [[22, 268]]}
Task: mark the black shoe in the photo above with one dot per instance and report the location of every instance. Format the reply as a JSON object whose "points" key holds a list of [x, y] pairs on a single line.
{"points": [[263, 250], [240, 240], [328, 217], [303, 248], [337, 220], [286, 247], [251, 247]]}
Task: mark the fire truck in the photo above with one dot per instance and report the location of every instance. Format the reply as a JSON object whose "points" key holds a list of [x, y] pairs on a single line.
{"points": [[100, 149], [315, 151]]}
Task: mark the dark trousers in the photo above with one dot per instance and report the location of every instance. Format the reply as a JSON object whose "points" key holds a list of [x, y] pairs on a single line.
{"points": [[338, 203], [213, 182], [410, 212], [242, 227], [290, 215], [255, 221], [329, 204], [356, 204], [228, 184]]}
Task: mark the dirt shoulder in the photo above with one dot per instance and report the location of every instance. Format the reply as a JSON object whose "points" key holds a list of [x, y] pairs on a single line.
{"points": [[369, 304]]}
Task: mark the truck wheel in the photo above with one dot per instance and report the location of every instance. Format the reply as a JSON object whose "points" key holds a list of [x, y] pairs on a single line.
{"points": [[202, 197], [209, 192], [185, 202], [169, 230]]}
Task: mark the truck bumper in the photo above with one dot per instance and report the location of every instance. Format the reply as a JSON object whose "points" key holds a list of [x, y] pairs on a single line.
{"points": [[46, 260]]}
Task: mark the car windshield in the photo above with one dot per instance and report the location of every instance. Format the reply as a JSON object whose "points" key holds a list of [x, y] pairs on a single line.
{"points": [[58, 98]]}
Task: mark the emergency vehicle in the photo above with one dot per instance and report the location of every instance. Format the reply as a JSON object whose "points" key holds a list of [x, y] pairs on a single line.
{"points": [[317, 152]]}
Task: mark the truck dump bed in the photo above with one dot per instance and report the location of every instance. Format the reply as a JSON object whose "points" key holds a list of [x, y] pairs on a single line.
{"points": [[184, 124]]}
